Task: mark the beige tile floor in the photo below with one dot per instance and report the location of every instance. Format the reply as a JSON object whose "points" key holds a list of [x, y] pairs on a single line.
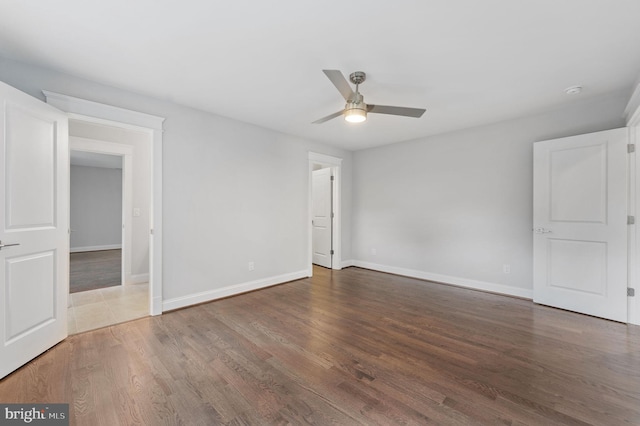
{"points": [[107, 306]]}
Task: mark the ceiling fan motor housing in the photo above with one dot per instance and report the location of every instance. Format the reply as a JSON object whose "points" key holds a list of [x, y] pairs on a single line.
{"points": [[353, 105], [356, 101]]}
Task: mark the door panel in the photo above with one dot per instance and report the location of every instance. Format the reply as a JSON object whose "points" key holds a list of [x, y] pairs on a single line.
{"points": [[580, 223], [30, 149], [586, 166], [34, 201], [322, 221], [28, 276], [578, 265]]}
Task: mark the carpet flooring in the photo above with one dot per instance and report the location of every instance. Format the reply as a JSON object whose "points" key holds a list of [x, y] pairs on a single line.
{"points": [[93, 270]]}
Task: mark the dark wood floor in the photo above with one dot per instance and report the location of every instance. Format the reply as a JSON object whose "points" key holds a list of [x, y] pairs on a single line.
{"points": [[347, 347], [91, 270]]}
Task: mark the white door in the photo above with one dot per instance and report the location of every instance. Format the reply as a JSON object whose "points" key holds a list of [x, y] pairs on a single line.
{"points": [[580, 224], [34, 204], [321, 192]]}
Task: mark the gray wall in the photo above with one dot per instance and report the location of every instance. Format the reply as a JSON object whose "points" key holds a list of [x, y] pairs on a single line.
{"points": [[457, 204], [96, 207], [460, 204], [233, 192]]}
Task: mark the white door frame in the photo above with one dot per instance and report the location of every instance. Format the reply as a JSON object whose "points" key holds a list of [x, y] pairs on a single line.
{"points": [[336, 164], [632, 113], [93, 112], [126, 152], [322, 179]]}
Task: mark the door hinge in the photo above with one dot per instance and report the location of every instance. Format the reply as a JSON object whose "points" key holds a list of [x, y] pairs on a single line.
{"points": [[631, 220], [631, 148], [331, 251], [333, 215], [631, 292], [332, 177]]}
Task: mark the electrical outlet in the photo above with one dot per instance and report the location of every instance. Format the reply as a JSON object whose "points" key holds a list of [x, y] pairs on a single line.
{"points": [[374, 251], [252, 266], [506, 268]]}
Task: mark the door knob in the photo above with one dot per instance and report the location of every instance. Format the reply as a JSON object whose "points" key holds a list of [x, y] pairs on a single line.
{"points": [[541, 230]]}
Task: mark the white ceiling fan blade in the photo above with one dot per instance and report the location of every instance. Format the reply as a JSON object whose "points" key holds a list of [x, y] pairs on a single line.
{"points": [[393, 110], [329, 117], [340, 82]]}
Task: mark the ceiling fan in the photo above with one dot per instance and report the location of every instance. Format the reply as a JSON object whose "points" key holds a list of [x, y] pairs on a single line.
{"points": [[355, 111]]}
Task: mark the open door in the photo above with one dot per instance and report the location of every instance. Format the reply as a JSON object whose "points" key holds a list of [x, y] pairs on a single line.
{"points": [[580, 224], [34, 204], [322, 219]]}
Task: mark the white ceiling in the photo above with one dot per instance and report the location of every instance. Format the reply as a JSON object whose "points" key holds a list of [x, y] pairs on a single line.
{"points": [[468, 62]]}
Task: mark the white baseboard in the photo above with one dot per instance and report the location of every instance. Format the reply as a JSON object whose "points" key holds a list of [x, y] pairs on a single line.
{"points": [[95, 248], [207, 296], [347, 263], [447, 279], [138, 278]]}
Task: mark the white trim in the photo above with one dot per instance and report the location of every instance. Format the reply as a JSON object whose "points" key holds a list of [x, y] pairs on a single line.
{"points": [[348, 263], [447, 279], [138, 279], [324, 159], [155, 226], [633, 235], [336, 164], [95, 248], [632, 113], [94, 112], [106, 112], [232, 290]]}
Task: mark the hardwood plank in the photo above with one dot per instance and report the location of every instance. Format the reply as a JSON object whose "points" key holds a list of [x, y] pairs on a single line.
{"points": [[346, 347], [91, 270]]}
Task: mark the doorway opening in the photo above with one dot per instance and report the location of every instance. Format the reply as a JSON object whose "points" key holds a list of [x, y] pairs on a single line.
{"points": [[96, 219], [324, 212], [89, 112], [322, 215], [128, 299]]}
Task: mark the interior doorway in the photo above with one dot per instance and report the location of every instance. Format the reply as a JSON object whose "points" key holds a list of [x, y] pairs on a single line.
{"points": [[96, 217], [322, 215], [131, 299], [90, 112], [324, 211]]}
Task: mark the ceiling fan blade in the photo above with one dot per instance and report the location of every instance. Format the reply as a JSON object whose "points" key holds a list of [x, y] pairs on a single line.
{"points": [[393, 110], [340, 82], [329, 117]]}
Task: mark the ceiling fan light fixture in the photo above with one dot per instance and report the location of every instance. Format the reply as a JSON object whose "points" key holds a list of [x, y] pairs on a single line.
{"points": [[355, 113]]}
